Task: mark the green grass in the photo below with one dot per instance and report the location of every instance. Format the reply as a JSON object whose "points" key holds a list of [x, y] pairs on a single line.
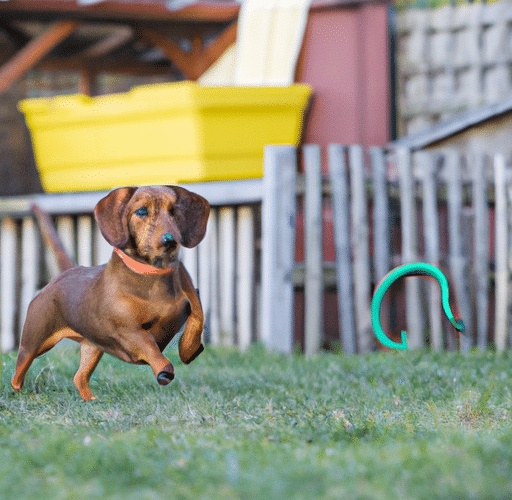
{"points": [[399, 425]]}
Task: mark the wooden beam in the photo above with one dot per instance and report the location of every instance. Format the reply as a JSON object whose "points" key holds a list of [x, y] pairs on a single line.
{"points": [[118, 10], [34, 51], [117, 39], [87, 81], [192, 64], [122, 66], [180, 58]]}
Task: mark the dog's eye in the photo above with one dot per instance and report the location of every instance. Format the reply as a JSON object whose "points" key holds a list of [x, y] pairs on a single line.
{"points": [[141, 212]]}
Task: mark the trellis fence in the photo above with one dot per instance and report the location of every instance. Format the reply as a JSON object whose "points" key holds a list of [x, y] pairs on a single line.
{"points": [[389, 208]]}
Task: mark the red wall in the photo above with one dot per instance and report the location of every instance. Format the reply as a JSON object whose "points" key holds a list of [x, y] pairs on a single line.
{"points": [[345, 58]]}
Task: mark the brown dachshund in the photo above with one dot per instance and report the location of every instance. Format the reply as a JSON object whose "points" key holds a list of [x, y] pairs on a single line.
{"points": [[135, 304]]}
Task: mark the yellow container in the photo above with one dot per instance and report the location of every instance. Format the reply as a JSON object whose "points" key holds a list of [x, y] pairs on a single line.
{"points": [[160, 134]]}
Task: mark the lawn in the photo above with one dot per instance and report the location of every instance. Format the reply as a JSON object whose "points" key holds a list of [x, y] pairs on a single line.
{"points": [[398, 425]]}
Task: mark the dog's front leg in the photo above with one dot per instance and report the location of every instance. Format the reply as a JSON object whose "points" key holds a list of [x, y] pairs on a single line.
{"points": [[142, 348], [190, 345]]}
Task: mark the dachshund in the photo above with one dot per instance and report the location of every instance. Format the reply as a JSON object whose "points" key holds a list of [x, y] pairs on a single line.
{"points": [[132, 306]]}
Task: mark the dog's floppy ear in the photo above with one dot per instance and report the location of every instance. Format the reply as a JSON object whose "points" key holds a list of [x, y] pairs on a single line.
{"points": [[111, 217], [191, 215]]}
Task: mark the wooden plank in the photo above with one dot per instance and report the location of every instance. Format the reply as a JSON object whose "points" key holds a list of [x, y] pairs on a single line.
{"points": [[313, 287], [245, 276], [415, 323], [189, 260], [427, 164], [227, 274], [481, 245], [66, 231], [361, 247], [8, 253], [84, 240], [214, 317], [119, 37], [459, 260], [341, 212], [278, 246], [194, 63], [501, 251], [29, 267], [34, 51], [204, 281], [380, 213], [238, 192], [102, 249]]}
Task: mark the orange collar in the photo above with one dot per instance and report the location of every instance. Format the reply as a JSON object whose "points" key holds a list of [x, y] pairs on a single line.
{"points": [[139, 267]]}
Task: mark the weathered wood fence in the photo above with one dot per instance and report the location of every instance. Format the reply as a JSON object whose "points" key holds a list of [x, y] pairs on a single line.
{"points": [[388, 208]]}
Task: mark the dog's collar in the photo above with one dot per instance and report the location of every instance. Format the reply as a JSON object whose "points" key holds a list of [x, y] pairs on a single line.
{"points": [[139, 267]]}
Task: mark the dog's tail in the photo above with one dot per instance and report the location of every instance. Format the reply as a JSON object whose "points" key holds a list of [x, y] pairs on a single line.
{"points": [[51, 238]]}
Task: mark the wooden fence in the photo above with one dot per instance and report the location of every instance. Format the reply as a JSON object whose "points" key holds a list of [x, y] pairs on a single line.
{"points": [[389, 208]]}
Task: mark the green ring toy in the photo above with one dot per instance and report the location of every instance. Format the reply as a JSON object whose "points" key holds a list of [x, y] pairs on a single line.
{"points": [[415, 269]]}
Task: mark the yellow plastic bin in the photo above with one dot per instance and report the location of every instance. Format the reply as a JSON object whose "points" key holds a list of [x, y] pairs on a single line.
{"points": [[160, 134]]}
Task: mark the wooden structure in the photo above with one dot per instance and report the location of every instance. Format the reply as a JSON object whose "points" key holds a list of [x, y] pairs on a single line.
{"points": [[247, 287], [487, 129], [112, 36]]}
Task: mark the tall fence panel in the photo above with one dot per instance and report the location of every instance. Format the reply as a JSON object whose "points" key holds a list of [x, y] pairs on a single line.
{"points": [[389, 208]]}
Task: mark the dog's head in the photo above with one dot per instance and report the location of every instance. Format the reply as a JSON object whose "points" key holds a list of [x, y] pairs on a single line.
{"points": [[150, 223]]}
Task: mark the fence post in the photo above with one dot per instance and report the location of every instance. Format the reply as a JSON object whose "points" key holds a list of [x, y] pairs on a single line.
{"points": [[29, 267], [340, 201], [427, 165], [501, 321], [278, 246], [481, 239], [245, 275], [458, 261], [314, 258], [381, 213], [227, 240], [409, 247], [8, 252], [361, 242]]}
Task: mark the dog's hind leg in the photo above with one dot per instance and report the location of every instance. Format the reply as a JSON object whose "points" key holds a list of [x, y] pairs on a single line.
{"points": [[30, 351], [90, 356]]}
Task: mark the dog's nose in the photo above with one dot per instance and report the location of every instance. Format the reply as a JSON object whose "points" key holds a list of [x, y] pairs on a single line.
{"points": [[168, 240]]}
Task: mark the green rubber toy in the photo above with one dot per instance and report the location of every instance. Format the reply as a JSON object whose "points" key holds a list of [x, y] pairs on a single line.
{"points": [[415, 269]]}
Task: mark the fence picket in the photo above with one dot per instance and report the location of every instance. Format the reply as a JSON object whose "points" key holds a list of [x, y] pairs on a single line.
{"points": [[313, 286], [481, 245], [214, 317], [341, 213], [458, 258], [381, 213], [278, 245], [410, 248], [29, 267], [245, 276], [84, 240], [227, 274], [8, 252], [361, 248], [427, 164], [501, 322]]}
